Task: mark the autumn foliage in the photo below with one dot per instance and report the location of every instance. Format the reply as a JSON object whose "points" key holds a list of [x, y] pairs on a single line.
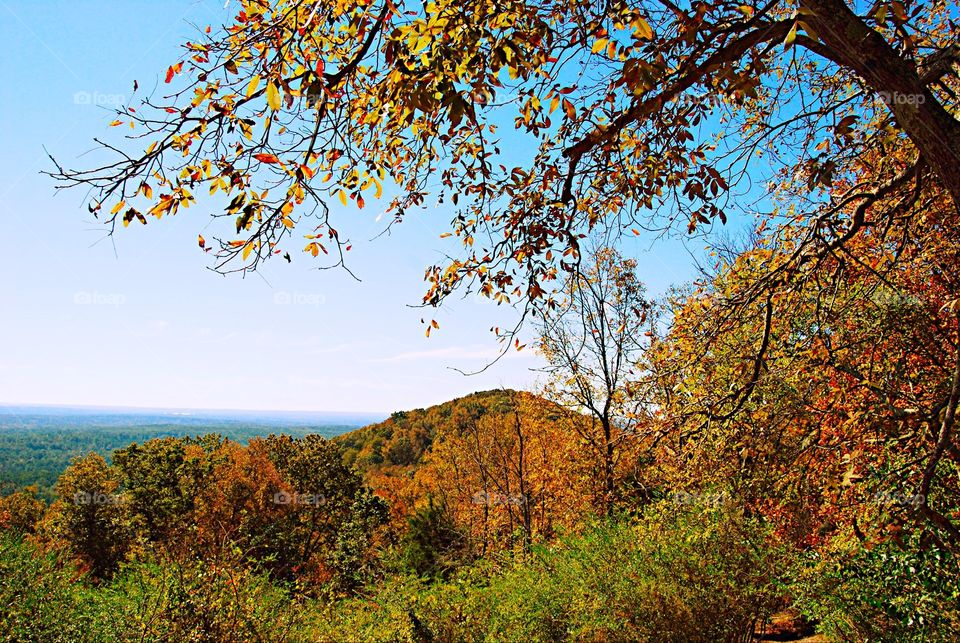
{"points": [[781, 432]]}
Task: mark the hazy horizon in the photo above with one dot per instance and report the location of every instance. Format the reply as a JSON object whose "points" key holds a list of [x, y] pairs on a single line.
{"points": [[120, 408]]}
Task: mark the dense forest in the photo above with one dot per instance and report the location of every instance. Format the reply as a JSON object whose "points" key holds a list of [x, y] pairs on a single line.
{"points": [[486, 517], [35, 449], [769, 451]]}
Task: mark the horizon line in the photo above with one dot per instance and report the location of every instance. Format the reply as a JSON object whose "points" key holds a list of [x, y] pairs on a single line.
{"points": [[122, 407]]}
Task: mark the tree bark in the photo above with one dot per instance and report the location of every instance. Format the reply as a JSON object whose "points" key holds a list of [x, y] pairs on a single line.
{"points": [[608, 453], [849, 42]]}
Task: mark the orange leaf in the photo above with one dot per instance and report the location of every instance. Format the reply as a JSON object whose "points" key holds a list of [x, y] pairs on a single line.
{"points": [[173, 70]]}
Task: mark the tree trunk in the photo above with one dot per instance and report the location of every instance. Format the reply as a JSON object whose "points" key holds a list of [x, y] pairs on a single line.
{"points": [[608, 465], [851, 43]]}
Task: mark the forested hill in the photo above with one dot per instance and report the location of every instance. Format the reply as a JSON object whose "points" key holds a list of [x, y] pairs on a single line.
{"points": [[498, 461], [400, 441]]}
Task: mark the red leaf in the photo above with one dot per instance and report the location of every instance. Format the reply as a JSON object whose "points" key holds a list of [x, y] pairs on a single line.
{"points": [[172, 70]]}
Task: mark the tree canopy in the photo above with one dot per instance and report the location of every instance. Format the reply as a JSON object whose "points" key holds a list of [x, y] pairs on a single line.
{"points": [[810, 376], [541, 120]]}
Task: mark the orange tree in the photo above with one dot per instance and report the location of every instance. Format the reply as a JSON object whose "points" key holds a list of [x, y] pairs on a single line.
{"points": [[830, 401], [510, 476], [636, 114]]}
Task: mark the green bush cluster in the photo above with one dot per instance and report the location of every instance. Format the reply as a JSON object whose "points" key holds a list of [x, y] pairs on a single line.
{"points": [[905, 592], [670, 576], [671, 573]]}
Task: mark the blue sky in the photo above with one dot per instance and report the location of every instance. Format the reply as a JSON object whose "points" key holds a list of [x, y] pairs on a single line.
{"points": [[139, 320]]}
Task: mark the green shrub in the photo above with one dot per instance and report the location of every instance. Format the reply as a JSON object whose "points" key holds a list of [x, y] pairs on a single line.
{"points": [[674, 575], [432, 545], [195, 601], [42, 595], [887, 593]]}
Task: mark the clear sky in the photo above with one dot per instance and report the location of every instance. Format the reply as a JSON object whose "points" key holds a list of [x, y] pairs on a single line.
{"points": [[139, 320]]}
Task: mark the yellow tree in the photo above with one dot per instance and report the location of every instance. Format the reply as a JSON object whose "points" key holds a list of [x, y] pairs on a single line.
{"points": [[632, 114], [89, 516], [594, 342], [828, 398], [506, 473]]}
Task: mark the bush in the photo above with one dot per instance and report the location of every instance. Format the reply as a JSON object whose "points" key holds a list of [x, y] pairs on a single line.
{"points": [[887, 593], [671, 576], [432, 544], [194, 601], [42, 596]]}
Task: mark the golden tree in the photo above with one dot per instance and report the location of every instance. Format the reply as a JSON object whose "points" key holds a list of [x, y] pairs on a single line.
{"points": [[628, 115]]}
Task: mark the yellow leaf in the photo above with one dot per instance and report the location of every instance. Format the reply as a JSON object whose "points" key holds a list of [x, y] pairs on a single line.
{"points": [[246, 251], [643, 30], [599, 45], [273, 96], [791, 36], [252, 86], [808, 29], [117, 207], [343, 197], [422, 43]]}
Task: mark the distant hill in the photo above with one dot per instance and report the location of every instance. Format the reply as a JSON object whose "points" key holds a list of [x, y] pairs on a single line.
{"points": [[398, 444], [494, 461]]}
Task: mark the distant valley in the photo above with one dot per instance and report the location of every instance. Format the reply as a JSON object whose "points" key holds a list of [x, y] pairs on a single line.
{"points": [[38, 442]]}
